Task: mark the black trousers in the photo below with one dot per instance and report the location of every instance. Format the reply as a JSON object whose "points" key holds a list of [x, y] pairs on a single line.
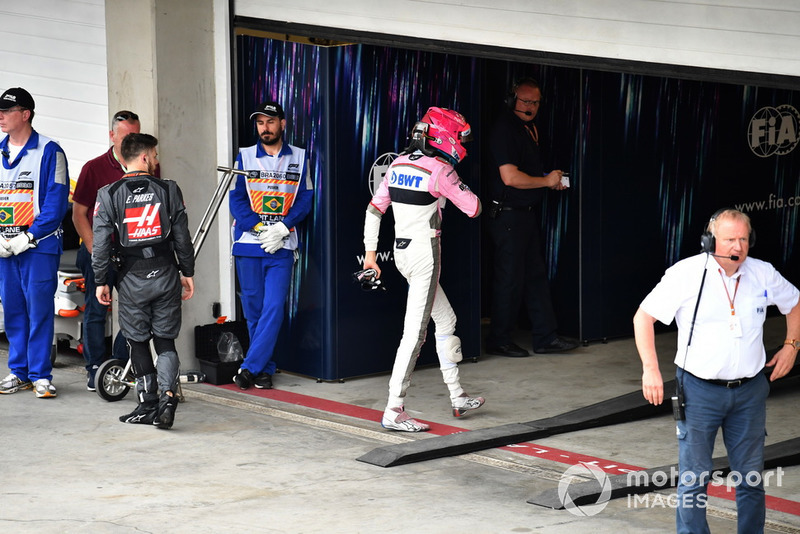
{"points": [[520, 276]]}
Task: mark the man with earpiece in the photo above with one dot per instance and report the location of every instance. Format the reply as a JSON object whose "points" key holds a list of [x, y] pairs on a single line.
{"points": [[719, 301], [517, 187]]}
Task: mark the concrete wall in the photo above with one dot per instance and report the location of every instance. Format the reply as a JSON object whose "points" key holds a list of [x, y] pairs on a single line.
{"points": [[161, 63], [721, 34]]}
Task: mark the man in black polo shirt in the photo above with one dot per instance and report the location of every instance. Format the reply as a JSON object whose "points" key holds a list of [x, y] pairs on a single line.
{"points": [[517, 189]]}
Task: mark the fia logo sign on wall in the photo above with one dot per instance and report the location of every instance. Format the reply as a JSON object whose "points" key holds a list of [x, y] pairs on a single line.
{"points": [[773, 131], [378, 171]]}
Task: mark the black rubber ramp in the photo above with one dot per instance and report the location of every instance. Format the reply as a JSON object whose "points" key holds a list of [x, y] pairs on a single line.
{"points": [[623, 409], [780, 454]]}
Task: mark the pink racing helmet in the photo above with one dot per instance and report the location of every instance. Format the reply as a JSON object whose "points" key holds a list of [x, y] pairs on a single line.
{"points": [[445, 130]]}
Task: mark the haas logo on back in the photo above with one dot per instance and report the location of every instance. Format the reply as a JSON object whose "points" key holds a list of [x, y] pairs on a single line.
{"points": [[143, 222]]}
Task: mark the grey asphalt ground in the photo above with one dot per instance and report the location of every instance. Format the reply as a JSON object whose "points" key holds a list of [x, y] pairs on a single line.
{"points": [[239, 462]]}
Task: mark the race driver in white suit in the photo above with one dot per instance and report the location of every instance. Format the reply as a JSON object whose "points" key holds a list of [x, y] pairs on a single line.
{"points": [[416, 185]]}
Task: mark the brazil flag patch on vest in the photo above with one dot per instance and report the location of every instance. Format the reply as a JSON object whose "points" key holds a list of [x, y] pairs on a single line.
{"points": [[273, 204], [6, 215]]}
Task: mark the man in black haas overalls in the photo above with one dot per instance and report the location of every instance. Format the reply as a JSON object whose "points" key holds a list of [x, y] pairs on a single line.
{"points": [[142, 221]]}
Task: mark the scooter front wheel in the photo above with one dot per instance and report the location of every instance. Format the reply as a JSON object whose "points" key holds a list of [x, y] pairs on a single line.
{"points": [[111, 381]]}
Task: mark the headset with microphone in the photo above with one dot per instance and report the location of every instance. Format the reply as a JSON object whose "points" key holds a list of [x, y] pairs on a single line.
{"points": [[708, 243], [511, 98]]}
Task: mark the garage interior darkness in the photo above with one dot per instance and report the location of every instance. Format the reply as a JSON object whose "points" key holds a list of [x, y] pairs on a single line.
{"points": [[653, 150]]}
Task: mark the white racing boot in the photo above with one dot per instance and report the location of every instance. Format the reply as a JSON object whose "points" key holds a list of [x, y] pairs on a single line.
{"points": [[398, 419], [460, 401], [465, 403]]}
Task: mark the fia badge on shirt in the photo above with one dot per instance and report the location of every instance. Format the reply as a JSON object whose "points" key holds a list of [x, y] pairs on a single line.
{"points": [[735, 326]]}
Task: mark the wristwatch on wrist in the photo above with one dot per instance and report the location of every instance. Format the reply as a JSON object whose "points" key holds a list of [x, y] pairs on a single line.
{"points": [[793, 342]]}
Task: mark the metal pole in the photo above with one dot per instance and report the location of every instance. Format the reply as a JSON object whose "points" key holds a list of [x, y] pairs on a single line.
{"points": [[213, 206]]}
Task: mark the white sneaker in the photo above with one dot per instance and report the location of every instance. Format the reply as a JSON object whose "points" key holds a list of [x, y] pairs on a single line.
{"points": [[398, 419], [44, 389], [465, 403], [12, 384]]}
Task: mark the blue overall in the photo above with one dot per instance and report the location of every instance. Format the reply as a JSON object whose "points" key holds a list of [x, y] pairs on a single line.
{"points": [[28, 281], [27, 290], [265, 278], [265, 284]]}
